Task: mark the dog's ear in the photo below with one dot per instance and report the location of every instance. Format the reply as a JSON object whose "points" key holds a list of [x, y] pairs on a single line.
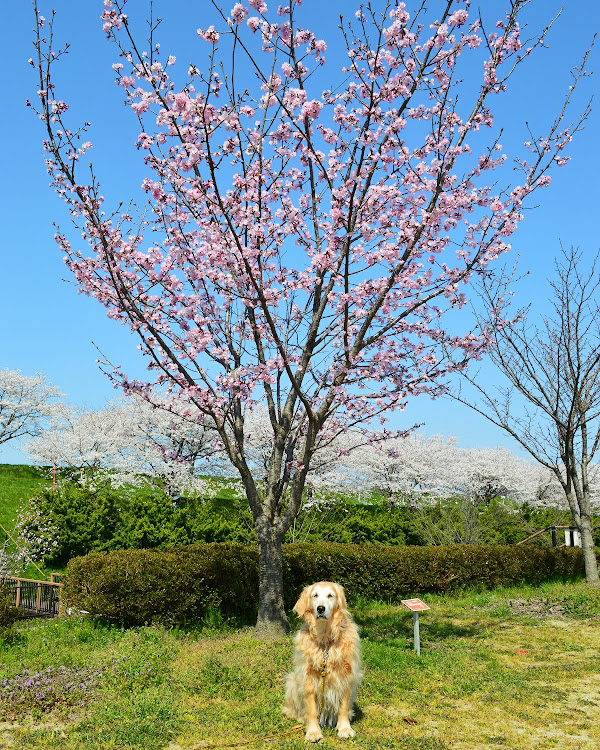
{"points": [[341, 596], [302, 606]]}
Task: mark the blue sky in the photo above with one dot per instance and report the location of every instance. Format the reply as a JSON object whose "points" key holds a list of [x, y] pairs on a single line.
{"points": [[47, 327]]}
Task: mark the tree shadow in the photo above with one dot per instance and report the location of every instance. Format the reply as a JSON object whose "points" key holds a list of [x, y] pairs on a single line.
{"points": [[399, 626]]}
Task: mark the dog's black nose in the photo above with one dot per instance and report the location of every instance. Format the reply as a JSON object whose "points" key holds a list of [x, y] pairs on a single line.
{"points": [[320, 609]]}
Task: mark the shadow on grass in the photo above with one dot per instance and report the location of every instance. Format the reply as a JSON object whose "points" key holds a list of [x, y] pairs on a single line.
{"points": [[358, 714], [395, 626]]}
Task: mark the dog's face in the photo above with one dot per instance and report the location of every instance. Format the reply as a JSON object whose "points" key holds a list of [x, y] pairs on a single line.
{"points": [[321, 600]]}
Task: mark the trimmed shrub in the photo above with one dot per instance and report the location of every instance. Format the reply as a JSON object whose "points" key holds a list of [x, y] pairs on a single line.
{"points": [[135, 587], [396, 573], [176, 586]]}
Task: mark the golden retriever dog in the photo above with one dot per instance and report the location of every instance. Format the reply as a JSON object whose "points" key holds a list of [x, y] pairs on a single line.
{"points": [[321, 689]]}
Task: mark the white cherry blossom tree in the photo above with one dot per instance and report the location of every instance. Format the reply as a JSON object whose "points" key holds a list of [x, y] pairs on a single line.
{"points": [[131, 442], [26, 403]]}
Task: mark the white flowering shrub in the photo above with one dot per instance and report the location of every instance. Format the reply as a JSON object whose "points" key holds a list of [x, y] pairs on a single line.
{"points": [[32, 538]]}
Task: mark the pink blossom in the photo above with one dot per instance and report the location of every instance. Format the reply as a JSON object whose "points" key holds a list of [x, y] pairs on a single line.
{"points": [[140, 107], [209, 35], [144, 141], [312, 109], [294, 98], [258, 5], [112, 20], [458, 18], [182, 103], [239, 12]]}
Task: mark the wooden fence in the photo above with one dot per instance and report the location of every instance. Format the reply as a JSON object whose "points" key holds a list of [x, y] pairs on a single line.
{"points": [[572, 535], [34, 598]]}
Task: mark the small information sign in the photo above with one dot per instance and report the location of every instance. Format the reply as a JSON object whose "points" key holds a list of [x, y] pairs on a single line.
{"points": [[416, 606]]}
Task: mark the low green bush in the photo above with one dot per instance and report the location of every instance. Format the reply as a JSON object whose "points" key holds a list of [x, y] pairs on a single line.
{"points": [[395, 573], [8, 614], [175, 586], [135, 587]]}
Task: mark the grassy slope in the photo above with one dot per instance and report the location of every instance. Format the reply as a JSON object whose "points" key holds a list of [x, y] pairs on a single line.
{"points": [[507, 669], [17, 484]]}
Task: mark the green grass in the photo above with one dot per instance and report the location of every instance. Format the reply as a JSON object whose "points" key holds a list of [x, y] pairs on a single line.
{"points": [[17, 484], [506, 669]]}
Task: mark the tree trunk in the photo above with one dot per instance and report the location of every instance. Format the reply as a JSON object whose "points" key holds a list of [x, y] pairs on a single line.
{"points": [[271, 621], [589, 551]]}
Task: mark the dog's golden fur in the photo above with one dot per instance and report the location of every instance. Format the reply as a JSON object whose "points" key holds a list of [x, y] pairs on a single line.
{"points": [[328, 629]]}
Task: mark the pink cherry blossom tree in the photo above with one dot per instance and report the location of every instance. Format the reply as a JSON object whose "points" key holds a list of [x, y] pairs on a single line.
{"points": [[297, 247]]}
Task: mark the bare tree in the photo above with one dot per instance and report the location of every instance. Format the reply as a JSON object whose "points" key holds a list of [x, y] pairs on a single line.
{"points": [[551, 404]]}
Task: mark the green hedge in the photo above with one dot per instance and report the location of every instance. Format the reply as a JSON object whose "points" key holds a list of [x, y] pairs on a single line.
{"points": [[180, 585]]}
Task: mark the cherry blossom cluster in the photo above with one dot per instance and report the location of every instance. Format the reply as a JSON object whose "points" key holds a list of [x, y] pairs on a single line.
{"points": [[27, 403], [422, 470]]}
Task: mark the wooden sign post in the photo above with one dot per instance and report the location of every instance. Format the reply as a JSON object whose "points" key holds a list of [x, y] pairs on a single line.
{"points": [[416, 606]]}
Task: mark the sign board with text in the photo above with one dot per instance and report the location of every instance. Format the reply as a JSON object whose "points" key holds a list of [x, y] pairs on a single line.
{"points": [[415, 605]]}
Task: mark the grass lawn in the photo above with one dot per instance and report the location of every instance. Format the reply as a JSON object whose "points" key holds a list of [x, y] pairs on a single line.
{"points": [[17, 484], [507, 669]]}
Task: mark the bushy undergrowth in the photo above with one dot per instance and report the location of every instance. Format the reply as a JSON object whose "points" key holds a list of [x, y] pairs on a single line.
{"points": [[8, 614], [181, 585], [110, 519]]}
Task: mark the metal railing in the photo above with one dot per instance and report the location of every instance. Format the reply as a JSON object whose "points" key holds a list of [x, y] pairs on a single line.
{"points": [[34, 598]]}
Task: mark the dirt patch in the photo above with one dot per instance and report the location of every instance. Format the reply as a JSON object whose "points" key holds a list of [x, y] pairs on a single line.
{"points": [[538, 608]]}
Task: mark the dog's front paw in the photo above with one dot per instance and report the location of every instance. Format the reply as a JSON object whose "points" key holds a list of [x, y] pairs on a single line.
{"points": [[313, 734], [345, 731]]}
